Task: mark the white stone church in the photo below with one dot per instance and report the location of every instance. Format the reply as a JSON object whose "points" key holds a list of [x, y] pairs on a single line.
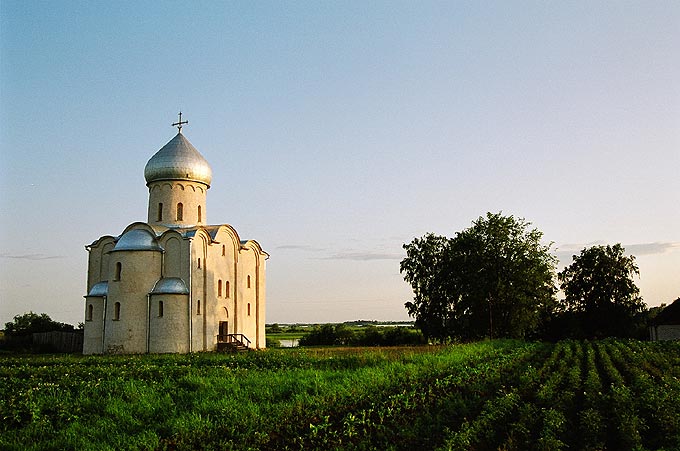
{"points": [[174, 283]]}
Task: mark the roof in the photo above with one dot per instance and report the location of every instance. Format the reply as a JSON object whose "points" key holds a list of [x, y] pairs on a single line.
{"points": [[99, 289], [170, 285], [190, 232], [137, 240], [140, 236], [669, 316], [178, 160]]}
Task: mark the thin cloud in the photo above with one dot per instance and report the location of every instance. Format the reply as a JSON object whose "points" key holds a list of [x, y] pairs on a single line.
{"points": [[300, 247], [31, 256], [316, 302], [650, 248], [342, 254], [363, 256], [565, 253]]}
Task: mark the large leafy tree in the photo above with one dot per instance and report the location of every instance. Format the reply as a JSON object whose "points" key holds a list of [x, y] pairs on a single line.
{"points": [[495, 279], [600, 291], [30, 322], [425, 268]]}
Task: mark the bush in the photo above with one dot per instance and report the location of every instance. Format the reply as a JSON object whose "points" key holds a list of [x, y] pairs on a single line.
{"points": [[328, 335], [274, 329], [273, 343], [390, 336], [341, 335]]}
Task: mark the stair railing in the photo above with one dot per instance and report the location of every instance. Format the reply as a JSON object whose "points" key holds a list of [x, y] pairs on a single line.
{"points": [[238, 339]]}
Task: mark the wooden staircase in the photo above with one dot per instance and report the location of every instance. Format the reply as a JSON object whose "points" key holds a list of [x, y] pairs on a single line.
{"points": [[233, 343]]}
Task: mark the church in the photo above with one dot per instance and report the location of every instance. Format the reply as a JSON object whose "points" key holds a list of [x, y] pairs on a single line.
{"points": [[175, 284]]}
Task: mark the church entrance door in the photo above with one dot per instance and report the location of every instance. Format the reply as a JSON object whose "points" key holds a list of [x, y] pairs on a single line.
{"points": [[224, 330]]}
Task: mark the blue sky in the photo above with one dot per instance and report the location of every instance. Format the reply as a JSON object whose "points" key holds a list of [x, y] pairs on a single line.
{"points": [[337, 131]]}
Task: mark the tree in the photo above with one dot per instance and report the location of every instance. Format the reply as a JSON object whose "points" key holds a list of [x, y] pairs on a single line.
{"points": [[423, 269], [328, 335], [30, 322], [493, 279], [600, 292], [274, 329]]}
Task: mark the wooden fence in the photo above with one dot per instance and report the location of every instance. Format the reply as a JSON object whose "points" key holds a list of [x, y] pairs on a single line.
{"points": [[60, 341]]}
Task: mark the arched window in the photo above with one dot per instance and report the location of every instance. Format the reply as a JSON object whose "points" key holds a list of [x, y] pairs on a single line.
{"points": [[160, 308], [180, 211], [248, 308], [199, 214], [226, 289], [88, 317], [119, 270], [198, 307], [248, 281], [219, 288], [160, 212], [116, 311]]}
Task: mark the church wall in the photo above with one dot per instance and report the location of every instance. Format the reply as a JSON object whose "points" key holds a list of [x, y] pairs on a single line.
{"points": [[126, 325], [172, 259], [178, 259], [106, 260], [247, 307], [93, 332], [225, 253], [261, 303], [220, 289], [169, 323], [98, 262], [210, 301], [209, 307], [198, 294], [94, 263], [170, 193]]}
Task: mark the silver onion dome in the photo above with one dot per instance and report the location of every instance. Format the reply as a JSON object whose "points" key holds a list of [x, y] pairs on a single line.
{"points": [[178, 160]]}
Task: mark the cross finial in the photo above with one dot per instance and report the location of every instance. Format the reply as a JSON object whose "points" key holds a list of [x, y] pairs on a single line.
{"points": [[179, 123]]}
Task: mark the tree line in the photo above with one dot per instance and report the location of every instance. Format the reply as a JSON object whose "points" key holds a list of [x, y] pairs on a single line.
{"points": [[343, 335], [498, 278]]}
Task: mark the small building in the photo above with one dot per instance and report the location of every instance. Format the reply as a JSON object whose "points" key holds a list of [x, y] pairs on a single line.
{"points": [[174, 284], [666, 325]]}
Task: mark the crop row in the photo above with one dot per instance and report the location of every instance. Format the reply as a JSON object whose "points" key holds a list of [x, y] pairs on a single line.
{"points": [[587, 395], [413, 412]]}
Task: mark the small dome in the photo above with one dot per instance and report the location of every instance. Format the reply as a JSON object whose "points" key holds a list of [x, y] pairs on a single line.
{"points": [[99, 289], [137, 240], [178, 160], [170, 285]]}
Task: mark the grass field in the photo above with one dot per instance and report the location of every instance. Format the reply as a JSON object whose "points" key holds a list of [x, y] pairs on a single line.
{"points": [[286, 335], [509, 395]]}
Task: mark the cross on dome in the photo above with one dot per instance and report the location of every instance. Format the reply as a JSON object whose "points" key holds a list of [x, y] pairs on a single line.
{"points": [[179, 123]]}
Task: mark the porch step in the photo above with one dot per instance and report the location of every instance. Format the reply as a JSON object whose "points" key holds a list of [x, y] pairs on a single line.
{"points": [[233, 343], [232, 347]]}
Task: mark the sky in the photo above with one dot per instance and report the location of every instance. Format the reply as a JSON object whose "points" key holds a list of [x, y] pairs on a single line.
{"points": [[337, 132]]}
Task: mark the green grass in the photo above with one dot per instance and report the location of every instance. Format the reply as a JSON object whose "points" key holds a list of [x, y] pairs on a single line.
{"points": [[286, 335], [490, 395]]}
